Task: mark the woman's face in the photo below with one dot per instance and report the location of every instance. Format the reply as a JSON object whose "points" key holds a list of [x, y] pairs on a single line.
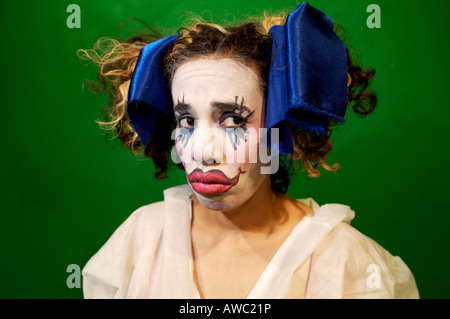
{"points": [[219, 108]]}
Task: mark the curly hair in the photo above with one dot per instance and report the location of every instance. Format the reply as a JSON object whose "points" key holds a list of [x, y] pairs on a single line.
{"points": [[251, 44]]}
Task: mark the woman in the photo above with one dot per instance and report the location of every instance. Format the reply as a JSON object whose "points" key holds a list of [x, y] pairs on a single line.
{"points": [[244, 106]]}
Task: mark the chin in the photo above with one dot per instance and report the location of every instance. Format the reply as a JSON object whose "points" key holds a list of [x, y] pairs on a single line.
{"points": [[214, 204], [227, 201], [224, 202]]}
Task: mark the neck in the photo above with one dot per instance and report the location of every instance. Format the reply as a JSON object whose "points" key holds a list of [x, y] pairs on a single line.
{"points": [[257, 215]]}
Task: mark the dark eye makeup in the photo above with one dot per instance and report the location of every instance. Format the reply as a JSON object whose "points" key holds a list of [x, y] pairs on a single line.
{"points": [[232, 119], [228, 115], [228, 120], [185, 121]]}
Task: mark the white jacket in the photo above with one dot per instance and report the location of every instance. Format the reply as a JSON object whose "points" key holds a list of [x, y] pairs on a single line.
{"points": [[149, 256]]}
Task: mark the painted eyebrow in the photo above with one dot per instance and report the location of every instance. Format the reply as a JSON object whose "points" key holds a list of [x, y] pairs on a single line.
{"points": [[231, 107], [182, 108]]}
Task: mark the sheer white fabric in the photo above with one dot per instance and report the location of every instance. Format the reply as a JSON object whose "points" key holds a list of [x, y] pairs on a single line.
{"points": [[149, 256]]}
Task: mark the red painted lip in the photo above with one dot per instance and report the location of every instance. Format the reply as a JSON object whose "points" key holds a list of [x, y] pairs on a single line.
{"points": [[212, 182]]}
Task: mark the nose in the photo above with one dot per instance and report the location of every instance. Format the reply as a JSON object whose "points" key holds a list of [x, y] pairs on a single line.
{"points": [[208, 145]]}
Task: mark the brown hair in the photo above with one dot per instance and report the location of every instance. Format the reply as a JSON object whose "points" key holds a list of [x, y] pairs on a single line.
{"points": [[251, 44]]}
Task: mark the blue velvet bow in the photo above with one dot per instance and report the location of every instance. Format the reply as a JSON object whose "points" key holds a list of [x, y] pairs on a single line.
{"points": [[147, 91], [307, 79]]}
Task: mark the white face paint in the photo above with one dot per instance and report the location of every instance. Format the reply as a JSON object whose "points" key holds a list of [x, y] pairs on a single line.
{"points": [[219, 107]]}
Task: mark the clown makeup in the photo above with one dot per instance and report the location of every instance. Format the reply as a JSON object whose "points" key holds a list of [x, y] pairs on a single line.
{"points": [[219, 109]]}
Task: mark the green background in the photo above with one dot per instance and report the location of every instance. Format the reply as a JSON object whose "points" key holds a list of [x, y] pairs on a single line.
{"points": [[65, 188]]}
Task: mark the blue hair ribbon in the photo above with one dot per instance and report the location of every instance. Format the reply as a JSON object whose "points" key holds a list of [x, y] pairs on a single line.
{"points": [[147, 92], [307, 78]]}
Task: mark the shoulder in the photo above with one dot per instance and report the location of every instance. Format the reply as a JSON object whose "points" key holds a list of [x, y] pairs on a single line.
{"points": [[108, 272], [148, 218], [144, 222], [348, 264], [123, 263]]}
